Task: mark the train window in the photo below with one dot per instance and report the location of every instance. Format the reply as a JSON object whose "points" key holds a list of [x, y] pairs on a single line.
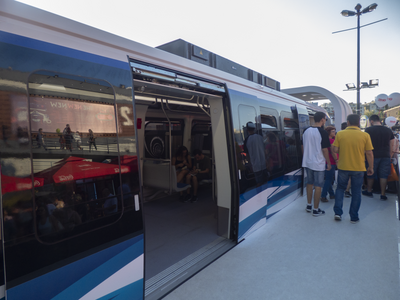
{"points": [[273, 144], [246, 114], [157, 138], [291, 141], [201, 137], [269, 122], [252, 164], [274, 150], [288, 121], [293, 152], [75, 155], [304, 121]]}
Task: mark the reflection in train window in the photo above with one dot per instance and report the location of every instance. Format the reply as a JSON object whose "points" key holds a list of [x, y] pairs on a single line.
{"points": [[289, 121], [83, 183], [269, 122], [293, 154]]}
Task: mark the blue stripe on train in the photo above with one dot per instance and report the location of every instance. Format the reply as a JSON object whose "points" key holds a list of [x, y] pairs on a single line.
{"points": [[59, 280], [292, 181], [60, 50], [27, 55]]}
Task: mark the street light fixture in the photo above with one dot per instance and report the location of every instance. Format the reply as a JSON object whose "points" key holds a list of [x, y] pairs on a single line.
{"points": [[358, 13], [350, 86], [371, 84]]}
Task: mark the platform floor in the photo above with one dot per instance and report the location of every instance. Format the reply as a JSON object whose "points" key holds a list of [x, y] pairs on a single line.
{"points": [[298, 256]]}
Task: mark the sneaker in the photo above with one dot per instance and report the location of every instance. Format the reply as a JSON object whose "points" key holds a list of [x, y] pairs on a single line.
{"points": [[368, 194], [383, 198], [332, 197], [338, 218], [347, 194], [354, 221], [318, 212], [309, 208], [194, 199], [323, 199]]}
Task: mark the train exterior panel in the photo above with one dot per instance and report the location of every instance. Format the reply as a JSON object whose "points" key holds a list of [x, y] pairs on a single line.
{"points": [[90, 124]]}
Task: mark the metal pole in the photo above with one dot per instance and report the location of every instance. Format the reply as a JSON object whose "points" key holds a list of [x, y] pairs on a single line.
{"points": [[358, 62]]}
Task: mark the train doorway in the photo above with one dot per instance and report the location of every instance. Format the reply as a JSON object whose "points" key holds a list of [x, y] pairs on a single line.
{"points": [[187, 221]]}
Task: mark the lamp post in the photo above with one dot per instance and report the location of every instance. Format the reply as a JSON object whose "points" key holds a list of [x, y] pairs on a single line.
{"points": [[358, 13]]}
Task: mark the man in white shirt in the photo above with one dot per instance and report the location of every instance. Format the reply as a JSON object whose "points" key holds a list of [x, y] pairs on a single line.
{"points": [[315, 161]]}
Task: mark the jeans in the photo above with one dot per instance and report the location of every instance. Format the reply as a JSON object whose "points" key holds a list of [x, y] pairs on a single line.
{"points": [[357, 178], [329, 177]]}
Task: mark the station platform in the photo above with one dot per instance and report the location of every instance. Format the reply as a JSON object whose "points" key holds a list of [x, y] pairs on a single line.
{"points": [[298, 256]]}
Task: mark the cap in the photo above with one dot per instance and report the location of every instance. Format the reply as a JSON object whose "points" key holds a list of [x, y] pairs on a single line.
{"points": [[250, 125]]}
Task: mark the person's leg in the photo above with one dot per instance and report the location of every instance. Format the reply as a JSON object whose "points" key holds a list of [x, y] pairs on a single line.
{"points": [[371, 179], [343, 179], [356, 184], [309, 189], [310, 185], [370, 184], [327, 183], [327, 188], [383, 184], [318, 183], [188, 180], [180, 175], [331, 192], [383, 174], [348, 186], [195, 185], [317, 196]]}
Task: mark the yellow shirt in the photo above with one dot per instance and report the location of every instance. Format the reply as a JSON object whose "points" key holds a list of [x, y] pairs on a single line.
{"points": [[352, 144]]}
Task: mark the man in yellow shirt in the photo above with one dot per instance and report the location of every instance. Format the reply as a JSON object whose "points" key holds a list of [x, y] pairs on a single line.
{"points": [[352, 145]]}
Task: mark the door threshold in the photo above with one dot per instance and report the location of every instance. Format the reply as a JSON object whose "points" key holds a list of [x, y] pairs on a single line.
{"points": [[167, 280]]}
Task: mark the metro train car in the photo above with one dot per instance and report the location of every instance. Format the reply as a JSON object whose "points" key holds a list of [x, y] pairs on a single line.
{"points": [[93, 205]]}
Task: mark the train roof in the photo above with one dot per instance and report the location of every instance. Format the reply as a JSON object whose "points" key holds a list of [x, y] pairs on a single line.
{"points": [[24, 20]]}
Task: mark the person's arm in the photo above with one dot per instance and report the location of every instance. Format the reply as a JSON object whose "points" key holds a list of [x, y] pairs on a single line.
{"points": [[370, 159], [334, 155], [325, 152], [392, 150], [335, 149], [207, 169]]}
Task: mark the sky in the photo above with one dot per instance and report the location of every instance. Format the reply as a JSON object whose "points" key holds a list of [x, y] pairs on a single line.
{"points": [[290, 41]]}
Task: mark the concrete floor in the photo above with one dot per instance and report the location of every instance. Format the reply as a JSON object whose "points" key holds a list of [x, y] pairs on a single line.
{"points": [[298, 256]]}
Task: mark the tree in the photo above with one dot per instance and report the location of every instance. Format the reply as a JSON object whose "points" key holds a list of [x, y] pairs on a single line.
{"points": [[369, 113]]}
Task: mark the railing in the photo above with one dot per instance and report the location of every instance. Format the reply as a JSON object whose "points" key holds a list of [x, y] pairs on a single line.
{"points": [[102, 144]]}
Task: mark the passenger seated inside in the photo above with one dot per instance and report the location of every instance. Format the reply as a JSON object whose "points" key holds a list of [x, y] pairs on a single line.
{"points": [[182, 163], [201, 170]]}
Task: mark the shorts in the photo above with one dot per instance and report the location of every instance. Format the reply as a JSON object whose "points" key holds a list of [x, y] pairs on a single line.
{"points": [[382, 168], [316, 178]]}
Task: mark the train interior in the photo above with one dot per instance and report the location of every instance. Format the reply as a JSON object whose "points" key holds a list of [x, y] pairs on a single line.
{"points": [[182, 234]]}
